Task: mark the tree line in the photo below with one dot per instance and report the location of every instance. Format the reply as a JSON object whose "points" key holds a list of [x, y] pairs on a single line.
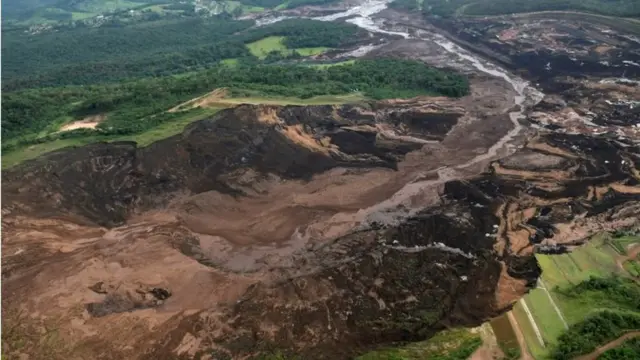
{"points": [[138, 105], [96, 55], [584, 337]]}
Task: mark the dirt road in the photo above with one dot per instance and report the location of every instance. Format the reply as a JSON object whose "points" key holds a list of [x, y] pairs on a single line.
{"points": [[613, 344], [632, 253]]}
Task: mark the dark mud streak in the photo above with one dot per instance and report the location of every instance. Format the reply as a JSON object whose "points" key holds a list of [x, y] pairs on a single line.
{"points": [[374, 287], [106, 182]]}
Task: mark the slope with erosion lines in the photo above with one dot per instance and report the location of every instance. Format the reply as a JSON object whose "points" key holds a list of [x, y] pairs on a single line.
{"points": [[319, 232], [255, 232]]}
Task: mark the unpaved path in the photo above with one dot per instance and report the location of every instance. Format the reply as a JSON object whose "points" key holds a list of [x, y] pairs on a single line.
{"points": [[613, 344], [532, 321], [90, 122], [524, 351]]}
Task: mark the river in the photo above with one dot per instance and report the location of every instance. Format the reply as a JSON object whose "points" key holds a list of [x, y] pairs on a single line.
{"points": [[362, 16]]}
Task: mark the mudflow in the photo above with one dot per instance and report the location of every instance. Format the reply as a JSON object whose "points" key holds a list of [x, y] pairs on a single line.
{"points": [[319, 231]]}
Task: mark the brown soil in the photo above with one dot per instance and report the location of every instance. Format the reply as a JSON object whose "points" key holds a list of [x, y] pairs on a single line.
{"points": [[90, 122], [210, 99]]}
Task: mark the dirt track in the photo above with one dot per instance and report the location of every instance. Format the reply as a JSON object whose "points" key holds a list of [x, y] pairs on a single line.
{"points": [[610, 345], [524, 350]]}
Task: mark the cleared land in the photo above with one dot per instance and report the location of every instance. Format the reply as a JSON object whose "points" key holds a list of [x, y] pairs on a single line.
{"points": [[263, 47]]}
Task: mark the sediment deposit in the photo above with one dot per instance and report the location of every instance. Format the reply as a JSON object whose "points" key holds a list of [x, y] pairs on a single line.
{"points": [[320, 231]]}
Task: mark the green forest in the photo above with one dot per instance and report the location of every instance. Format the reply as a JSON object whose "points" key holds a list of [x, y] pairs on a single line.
{"points": [[85, 56], [136, 106], [132, 75], [596, 330]]}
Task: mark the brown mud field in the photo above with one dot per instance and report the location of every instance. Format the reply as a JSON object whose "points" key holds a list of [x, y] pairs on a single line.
{"points": [[320, 231]]}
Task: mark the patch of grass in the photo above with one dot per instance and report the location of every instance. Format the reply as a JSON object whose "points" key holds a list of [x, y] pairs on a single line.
{"points": [[316, 100], [262, 47], [82, 15], [229, 62], [310, 51], [582, 283], [596, 258], [621, 244], [328, 65], [31, 152], [454, 344], [533, 345], [160, 132], [169, 129], [545, 315], [24, 335], [633, 267], [505, 335], [588, 334], [155, 8]]}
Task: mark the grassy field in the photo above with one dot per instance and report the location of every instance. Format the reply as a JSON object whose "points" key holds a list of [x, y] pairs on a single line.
{"points": [[263, 47], [455, 344], [143, 139], [316, 100], [232, 5], [328, 65], [170, 128], [560, 272], [82, 15], [229, 62], [597, 258], [633, 267], [545, 315], [621, 244], [536, 349], [506, 337]]}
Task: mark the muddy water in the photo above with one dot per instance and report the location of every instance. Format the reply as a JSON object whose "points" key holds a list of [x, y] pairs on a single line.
{"points": [[362, 16], [400, 205], [504, 332]]}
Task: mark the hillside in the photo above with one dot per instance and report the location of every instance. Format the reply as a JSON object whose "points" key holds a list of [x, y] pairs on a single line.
{"points": [[320, 180]]}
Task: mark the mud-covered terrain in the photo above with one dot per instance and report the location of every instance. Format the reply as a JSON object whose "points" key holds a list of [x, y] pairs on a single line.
{"points": [[319, 231]]}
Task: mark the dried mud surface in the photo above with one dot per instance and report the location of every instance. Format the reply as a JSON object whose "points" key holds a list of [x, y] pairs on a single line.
{"points": [[319, 231]]}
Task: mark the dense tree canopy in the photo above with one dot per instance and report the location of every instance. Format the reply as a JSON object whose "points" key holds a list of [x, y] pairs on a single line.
{"points": [[89, 56], [133, 106], [584, 337]]}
